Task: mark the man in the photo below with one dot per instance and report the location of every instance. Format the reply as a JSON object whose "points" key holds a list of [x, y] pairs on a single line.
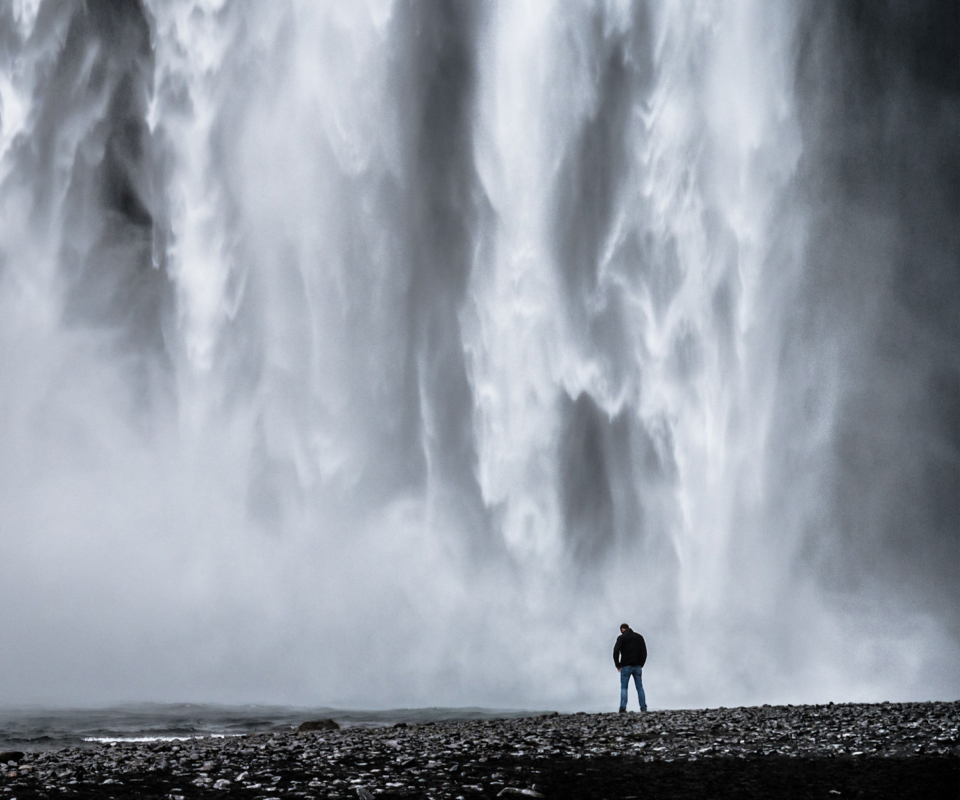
{"points": [[629, 655]]}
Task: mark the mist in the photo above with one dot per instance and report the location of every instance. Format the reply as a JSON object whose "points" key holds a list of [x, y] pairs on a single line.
{"points": [[383, 354]]}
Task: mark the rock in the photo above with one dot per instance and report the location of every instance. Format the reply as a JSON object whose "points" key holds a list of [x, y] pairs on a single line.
{"points": [[10, 755], [318, 725], [567, 756]]}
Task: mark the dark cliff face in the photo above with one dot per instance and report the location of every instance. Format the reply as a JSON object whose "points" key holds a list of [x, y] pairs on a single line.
{"points": [[879, 92], [89, 173], [443, 217]]}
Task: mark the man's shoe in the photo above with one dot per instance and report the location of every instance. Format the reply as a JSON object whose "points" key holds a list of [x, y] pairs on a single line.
{"points": [[623, 711]]}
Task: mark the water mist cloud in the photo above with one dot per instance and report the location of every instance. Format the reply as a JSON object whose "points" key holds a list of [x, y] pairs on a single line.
{"points": [[382, 353]]}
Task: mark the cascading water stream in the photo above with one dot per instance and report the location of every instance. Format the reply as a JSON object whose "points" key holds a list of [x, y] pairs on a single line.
{"points": [[393, 353]]}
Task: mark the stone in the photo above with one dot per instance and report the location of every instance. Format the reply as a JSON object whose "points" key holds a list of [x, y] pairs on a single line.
{"points": [[482, 757], [318, 725]]}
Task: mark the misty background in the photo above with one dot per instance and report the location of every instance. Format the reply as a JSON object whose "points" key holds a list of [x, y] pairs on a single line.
{"points": [[393, 353]]}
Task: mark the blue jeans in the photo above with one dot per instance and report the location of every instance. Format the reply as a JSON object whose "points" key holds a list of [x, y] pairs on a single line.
{"points": [[625, 673]]}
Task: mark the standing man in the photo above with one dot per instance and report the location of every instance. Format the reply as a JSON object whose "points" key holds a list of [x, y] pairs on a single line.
{"points": [[629, 655]]}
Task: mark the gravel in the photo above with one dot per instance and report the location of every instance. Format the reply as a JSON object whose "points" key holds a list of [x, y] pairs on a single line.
{"points": [[885, 750]]}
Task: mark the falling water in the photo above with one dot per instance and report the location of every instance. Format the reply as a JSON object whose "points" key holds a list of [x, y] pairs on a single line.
{"points": [[393, 353]]}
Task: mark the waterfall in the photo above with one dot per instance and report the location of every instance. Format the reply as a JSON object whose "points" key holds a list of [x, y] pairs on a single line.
{"points": [[393, 353]]}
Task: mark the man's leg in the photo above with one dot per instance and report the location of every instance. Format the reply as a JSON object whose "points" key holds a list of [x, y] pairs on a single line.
{"points": [[638, 680], [624, 683]]}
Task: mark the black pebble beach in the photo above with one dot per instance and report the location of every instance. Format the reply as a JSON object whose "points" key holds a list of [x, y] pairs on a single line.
{"points": [[833, 751]]}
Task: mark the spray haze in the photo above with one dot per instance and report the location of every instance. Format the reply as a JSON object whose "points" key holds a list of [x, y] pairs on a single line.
{"points": [[389, 353]]}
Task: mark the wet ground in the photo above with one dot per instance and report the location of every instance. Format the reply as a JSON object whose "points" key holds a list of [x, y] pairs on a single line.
{"points": [[875, 751]]}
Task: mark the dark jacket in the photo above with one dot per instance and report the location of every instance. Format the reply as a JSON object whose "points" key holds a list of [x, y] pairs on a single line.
{"points": [[630, 650]]}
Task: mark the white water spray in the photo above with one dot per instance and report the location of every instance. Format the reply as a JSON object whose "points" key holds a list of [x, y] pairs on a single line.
{"points": [[394, 353]]}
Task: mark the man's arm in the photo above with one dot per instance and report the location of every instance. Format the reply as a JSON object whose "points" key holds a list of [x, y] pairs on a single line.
{"points": [[616, 653]]}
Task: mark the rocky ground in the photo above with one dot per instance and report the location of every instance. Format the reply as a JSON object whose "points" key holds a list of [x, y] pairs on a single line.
{"points": [[834, 751]]}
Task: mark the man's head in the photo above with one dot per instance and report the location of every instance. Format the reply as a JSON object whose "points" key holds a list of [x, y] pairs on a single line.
{"points": [[624, 627]]}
